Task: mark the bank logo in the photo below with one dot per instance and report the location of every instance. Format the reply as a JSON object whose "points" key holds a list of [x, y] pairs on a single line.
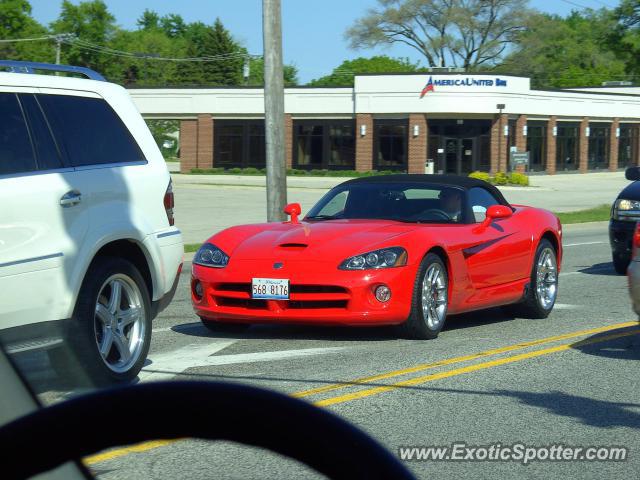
{"points": [[461, 82], [427, 88]]}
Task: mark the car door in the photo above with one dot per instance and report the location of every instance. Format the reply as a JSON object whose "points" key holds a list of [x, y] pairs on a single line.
{"points": [[498, 254], [103, 153], [43, 220]]}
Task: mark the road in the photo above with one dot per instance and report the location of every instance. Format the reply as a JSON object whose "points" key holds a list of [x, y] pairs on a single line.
{"points": [[531, 388]]}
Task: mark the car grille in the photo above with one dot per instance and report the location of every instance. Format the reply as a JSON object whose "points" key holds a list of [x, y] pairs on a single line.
{"points": [[302, 297]]}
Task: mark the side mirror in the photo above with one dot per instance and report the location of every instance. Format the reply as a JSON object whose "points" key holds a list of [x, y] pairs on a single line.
{"points": [[293, 210], [632, 173], [495, 212]]}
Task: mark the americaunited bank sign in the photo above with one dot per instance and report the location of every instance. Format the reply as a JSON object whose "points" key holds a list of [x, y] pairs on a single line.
{"points": [[461, 82]]}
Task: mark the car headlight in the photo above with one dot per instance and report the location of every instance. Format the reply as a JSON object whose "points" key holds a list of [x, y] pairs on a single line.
{"points": [[383, 258], [211, 256], [624, 209]]}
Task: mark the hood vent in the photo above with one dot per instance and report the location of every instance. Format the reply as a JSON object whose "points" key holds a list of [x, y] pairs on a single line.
{"points": [[294, 246]]}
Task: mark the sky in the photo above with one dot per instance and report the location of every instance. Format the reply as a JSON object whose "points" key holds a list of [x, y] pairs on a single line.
{"points": [[312, 31]]}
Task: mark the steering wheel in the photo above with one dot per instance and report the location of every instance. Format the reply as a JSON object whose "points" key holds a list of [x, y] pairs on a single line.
{"points": [[205, 410], [436, 211]]}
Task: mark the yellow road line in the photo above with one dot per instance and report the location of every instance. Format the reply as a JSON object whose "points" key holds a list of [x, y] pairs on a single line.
{"points": [[141, 447], [464, 358], [145, 446], [470, 368]]}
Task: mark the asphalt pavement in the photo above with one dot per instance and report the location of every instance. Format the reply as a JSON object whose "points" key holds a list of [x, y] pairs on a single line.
{"points": [[570, 379]]}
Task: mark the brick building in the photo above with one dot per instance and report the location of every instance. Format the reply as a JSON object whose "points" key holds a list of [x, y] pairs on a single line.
{"points": [[456, 122]]}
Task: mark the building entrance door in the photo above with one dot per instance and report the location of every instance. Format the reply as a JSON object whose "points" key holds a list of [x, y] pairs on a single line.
{"points": [[458, 155]]}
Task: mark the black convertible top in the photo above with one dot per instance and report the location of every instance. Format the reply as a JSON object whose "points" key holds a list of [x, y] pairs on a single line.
{"points": [[447, 180]]}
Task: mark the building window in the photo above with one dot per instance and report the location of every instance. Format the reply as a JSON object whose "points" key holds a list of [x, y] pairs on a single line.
{"points": [[239, 143], [537, 145], [324, 144], [484, 159], [390, 144], [567, 143], [599, 145], [628, 145]]}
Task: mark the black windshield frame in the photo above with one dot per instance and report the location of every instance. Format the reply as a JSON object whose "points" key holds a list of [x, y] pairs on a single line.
{"points": [[466, 216]]}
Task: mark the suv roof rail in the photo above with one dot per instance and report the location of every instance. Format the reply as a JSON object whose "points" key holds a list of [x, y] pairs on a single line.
{"points": [[15, 66]]}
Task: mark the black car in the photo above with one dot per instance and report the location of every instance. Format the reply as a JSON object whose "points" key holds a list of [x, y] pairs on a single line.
{"points": [[625, 212]]}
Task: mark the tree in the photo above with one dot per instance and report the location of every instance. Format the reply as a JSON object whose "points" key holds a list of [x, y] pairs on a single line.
{"points": [[256, 73], [149, 20], [227, 70], [464, 33], [173, 25], [163, 130], [566, 52], [91, 22], [16, 22], [145, 70], [342, 76], [625, 39]]}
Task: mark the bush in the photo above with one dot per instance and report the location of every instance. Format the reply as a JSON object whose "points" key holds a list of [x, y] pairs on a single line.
{"points": [[480, 176], [516, 178], [500, 178], [208, 171], [235, 171], [250, 171]]}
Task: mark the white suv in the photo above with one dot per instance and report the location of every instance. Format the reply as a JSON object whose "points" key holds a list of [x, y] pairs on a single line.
{"points": [[89, 253]]}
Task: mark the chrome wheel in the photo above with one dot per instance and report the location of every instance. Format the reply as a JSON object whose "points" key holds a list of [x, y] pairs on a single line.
{"points": [[546, 278], [434, 296], [119, 323]]}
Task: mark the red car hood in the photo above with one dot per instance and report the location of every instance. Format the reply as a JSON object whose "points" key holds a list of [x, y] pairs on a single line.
{"points": [[332, 240]]}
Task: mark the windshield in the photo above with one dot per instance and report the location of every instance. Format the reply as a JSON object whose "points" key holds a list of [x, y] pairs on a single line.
{"points": [[413, 202]]}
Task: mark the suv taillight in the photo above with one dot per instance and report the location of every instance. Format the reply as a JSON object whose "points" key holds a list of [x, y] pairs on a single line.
{"points": [[169, 203], [635, 244]]}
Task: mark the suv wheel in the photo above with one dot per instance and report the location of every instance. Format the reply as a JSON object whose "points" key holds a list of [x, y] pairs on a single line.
{"points": [[620, 264], [110, 332]]}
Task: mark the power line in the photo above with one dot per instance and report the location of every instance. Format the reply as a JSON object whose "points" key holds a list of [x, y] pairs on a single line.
{"points": [[35, 39], [82, 44], [146, 56], [576, 4]]}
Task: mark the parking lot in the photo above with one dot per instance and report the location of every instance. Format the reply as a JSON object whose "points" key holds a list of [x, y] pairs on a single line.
{"points": [[570, 379]]}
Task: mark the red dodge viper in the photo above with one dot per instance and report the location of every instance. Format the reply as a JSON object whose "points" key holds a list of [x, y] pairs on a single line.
{"points": [[383, 250]]}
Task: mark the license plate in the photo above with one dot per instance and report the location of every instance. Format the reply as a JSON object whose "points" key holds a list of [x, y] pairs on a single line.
{"points": [[270, 288]]}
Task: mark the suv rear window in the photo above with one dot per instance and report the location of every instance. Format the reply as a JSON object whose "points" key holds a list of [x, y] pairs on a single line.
{"points": [[16, 151], [89, 130]]}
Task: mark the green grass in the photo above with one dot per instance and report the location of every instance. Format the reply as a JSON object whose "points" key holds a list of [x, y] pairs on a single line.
{"points": [[191, 247], [595, 214], [290, 172]]}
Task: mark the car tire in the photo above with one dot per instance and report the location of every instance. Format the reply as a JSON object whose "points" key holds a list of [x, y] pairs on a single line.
{"points": [[224, 327], [542, 291], [109, 343], [430, 299], [620, 264]]}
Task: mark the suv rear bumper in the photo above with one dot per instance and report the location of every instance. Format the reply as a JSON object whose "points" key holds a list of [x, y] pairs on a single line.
{"points": [[158, 306]]}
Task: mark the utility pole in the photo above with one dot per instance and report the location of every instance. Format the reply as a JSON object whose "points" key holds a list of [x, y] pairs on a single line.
{"points": [[274, 110], [246, 69], [60, 38]]}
